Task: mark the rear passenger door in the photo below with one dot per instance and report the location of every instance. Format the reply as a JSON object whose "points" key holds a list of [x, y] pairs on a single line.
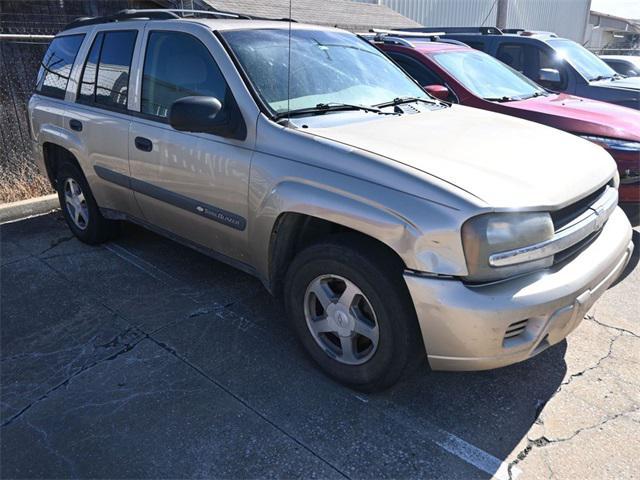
{"points": [[193, 185], [99, 116]]}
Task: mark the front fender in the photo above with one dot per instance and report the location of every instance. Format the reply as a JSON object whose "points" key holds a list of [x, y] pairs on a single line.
{"points": [[425, 235]]}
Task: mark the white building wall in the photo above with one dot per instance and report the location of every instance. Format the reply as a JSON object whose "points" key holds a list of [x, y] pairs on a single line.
{"points": [[567, 18]]}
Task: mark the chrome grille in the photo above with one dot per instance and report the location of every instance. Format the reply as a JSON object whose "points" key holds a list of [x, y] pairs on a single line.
{"points": [[566, 215], [586, 217]]}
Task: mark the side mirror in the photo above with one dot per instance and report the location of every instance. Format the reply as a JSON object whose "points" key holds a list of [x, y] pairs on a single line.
{"points": [[195, 114], [205, 115], [549, 75], [439, 91]]}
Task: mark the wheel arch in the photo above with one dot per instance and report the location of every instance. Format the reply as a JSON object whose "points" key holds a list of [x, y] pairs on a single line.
{"points": [[297, 215]]}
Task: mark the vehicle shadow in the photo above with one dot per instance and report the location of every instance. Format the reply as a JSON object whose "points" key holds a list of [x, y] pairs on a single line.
{"points": [[234, 335], [489, 410]]}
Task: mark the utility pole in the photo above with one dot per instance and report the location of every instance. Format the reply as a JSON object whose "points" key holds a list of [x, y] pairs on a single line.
{"points": [[501, 17]]}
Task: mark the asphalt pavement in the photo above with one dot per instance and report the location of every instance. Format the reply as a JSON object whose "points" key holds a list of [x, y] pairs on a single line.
{"points": [[142, 358]]}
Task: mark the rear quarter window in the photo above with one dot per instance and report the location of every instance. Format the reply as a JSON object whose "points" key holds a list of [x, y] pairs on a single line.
{"points": [[56, 65], [105, 76]]}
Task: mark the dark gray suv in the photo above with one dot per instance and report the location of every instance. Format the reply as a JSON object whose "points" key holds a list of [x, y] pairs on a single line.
{"points": [[555, 63]]}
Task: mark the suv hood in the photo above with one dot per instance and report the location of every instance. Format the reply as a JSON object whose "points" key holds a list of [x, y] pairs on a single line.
{"points": [[582, 115], [629, 83], [504, 161]]}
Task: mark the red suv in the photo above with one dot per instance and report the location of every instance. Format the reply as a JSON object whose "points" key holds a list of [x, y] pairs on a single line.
{"points": [[453, 71]]}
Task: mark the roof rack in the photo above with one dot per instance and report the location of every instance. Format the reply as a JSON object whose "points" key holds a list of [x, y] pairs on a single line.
{"points": [[162, 14], [448, 30], [399, 37]]}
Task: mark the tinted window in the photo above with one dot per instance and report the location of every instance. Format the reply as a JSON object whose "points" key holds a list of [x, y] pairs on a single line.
{"points": [[87, 93], [512, 55], [418, 71], [56, 65], [476, 45], [112, 83], [178, 65]]}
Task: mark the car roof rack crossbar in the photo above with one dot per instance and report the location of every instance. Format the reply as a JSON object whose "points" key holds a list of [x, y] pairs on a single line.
{"points": [[399, 37], [448, 30]]}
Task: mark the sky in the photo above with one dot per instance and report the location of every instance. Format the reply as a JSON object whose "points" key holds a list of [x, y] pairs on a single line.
{"points": [[621, 8]]}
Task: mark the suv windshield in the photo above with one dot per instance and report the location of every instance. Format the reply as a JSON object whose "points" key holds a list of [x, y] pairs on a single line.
{"points": [[327, 67], [586, 63], [487, 77]]}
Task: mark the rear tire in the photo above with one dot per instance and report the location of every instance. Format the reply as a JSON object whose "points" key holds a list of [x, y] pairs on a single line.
{"points": [[80, 209], [347, 301]]}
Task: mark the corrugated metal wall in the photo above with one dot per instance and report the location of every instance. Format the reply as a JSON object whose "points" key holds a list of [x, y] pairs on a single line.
{"points": [[568, 18], [446, 13]]}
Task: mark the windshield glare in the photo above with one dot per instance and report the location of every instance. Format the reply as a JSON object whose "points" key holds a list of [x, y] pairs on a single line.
{"points": [[485, 76], [586, 63], [326, 67]]}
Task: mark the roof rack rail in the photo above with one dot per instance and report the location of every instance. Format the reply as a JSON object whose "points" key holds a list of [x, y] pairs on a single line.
{"points": [[121, 16], [162, 14], [448, 30], [399, 37]]}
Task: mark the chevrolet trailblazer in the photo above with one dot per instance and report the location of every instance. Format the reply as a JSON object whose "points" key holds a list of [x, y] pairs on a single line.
{"points": [[391, 223]]}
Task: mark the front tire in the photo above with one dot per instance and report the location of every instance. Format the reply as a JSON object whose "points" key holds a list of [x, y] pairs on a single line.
{"points": [[349, 306], [79, 207]]}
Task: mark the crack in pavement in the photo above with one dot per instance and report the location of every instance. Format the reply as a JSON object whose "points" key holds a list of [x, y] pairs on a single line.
{"points": [[588, 369], [602, 324], [54, 243], [144, 335], [126, 348], [543, 441], [243, 402]]}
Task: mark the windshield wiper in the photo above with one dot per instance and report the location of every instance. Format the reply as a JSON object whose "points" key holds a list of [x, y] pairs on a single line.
{"points": [[534, 95], [401, 100], [322, 108], [501, 99], [601, 77]]}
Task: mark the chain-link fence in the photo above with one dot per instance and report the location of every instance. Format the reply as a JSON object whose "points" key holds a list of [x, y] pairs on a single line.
{"points": [[19, 62]]}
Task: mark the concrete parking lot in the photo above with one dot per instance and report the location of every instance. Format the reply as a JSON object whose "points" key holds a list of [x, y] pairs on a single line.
{"points": [[141, 358]]}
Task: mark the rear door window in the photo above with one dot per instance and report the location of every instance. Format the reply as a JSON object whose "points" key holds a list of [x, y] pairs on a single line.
{"points": [[417, 70], [513, 55], [56, 65], [105, 77]]}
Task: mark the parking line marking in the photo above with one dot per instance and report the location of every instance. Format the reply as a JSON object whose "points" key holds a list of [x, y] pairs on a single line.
{"points": [[140, 263], [451, 443]]}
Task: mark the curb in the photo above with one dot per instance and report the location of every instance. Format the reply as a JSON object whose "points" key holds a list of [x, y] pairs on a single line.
{"points": [[10, 212]]}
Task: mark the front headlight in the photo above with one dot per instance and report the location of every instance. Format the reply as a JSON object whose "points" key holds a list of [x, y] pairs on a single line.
{"points": [[492, 233], [614, 143]]}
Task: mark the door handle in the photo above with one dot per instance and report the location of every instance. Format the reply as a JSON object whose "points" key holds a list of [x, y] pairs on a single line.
{"points": [[75, 125], [144, 144]]}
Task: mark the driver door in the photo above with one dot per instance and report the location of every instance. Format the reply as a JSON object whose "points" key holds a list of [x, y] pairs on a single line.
{"points": [[193, 185]]}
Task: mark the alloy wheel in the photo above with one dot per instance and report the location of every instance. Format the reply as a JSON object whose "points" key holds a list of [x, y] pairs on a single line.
{"points": [[76, 203], [341, 319]]}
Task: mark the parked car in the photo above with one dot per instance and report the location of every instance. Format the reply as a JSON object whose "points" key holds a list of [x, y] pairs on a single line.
{"points": [[387, 220], [460, 74], [556, 63], [627, 65]]}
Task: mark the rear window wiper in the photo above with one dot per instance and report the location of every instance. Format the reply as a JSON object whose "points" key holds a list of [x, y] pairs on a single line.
{"points": [[401, 100], [322, 108]]}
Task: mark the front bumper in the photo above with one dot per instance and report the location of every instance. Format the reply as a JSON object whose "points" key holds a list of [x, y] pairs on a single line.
{"points": [[465, 327]]}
